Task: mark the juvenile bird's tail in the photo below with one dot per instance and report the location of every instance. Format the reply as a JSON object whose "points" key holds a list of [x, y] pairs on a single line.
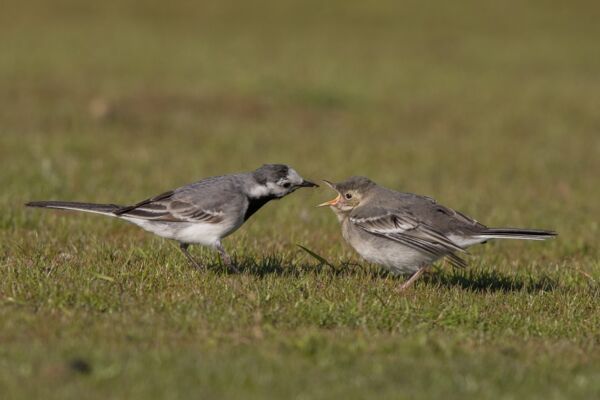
{"points": [[516, 233], [104, 209]]}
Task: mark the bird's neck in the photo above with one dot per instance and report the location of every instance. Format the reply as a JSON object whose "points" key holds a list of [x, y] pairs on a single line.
{"points": [[258, 191], [341, 215], [258, 195]]}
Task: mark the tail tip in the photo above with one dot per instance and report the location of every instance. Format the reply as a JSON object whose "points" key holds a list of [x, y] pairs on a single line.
{"points": [[548, 234], [515, 233]]}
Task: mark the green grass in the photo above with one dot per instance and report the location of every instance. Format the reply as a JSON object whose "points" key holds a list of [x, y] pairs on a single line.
{"points": [[490, 108]]}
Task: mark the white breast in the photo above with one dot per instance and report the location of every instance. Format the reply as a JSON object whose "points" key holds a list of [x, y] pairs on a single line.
{"points": [[205, 234], [396, 258], [393, 256]]}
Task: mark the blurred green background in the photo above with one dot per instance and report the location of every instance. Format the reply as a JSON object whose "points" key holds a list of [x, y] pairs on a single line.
{"points": [[490, 107]]}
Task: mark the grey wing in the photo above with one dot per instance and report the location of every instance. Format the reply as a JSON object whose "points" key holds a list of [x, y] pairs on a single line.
{"points": [[401, 226], [206, 201], [447, 220]]}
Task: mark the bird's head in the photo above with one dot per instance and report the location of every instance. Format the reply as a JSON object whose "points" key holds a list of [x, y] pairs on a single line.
{"points": [[277, 180], [350, 194]]}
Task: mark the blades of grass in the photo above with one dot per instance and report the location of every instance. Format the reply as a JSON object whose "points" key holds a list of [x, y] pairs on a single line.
{"points": [[104, 277], [317, 257]]}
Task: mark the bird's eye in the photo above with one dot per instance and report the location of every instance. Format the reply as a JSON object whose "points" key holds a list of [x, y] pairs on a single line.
{"points": [[286, 185], [348, 196]]}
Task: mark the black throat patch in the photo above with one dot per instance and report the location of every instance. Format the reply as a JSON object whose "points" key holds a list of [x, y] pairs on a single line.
{"points": [[255, 203]]}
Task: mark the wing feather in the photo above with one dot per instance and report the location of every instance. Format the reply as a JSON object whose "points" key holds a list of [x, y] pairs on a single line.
{"points": [[166, 210], [402, 227]]}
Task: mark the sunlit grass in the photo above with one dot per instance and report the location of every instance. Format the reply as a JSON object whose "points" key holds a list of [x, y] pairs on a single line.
{"points": [[492, 111]]}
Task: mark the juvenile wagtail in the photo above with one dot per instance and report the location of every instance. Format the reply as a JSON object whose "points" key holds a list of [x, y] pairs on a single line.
{"points": [[405, 232]]}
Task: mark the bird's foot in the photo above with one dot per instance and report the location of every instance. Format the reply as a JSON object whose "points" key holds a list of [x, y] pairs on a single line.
{"points": [[195, 264], [230, 265], [226, 259]]}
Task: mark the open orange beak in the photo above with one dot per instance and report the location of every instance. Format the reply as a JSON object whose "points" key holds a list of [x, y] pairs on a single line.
{"points": [[334, 201], [331, 202]]}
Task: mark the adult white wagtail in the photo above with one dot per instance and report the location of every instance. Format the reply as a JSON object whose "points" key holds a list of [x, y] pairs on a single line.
{"points": [[405, 232], [203, 212]]}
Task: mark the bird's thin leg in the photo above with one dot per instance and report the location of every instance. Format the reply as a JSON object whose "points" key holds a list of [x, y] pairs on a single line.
{"points": [[184, 249], [225, 258], [412, 278]]}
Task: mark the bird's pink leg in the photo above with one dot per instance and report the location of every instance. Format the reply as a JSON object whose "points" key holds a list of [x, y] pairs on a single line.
{"points": [[412, 278]]}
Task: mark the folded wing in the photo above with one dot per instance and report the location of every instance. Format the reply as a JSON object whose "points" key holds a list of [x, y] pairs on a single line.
{"points": [[167, 207], [402, 227]]}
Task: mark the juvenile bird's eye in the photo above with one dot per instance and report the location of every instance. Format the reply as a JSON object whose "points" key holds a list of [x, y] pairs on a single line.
{"points": [[287, 185], [348, 196]]}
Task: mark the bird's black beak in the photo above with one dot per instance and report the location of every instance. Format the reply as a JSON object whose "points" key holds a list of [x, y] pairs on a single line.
{"points": [[306, 183]]}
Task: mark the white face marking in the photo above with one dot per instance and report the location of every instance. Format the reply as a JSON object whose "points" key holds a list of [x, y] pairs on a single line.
{"points": [[277, 189], [294, 177], [259, 191]]}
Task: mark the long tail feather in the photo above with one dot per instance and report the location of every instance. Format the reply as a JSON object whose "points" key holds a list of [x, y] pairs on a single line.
{"points": [[517, 233], [104, 209]]}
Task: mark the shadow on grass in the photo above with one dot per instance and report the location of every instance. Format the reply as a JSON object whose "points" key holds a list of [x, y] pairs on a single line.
{"points": [[471, 278], [475, 279], [280, 265], [478, 280]]}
